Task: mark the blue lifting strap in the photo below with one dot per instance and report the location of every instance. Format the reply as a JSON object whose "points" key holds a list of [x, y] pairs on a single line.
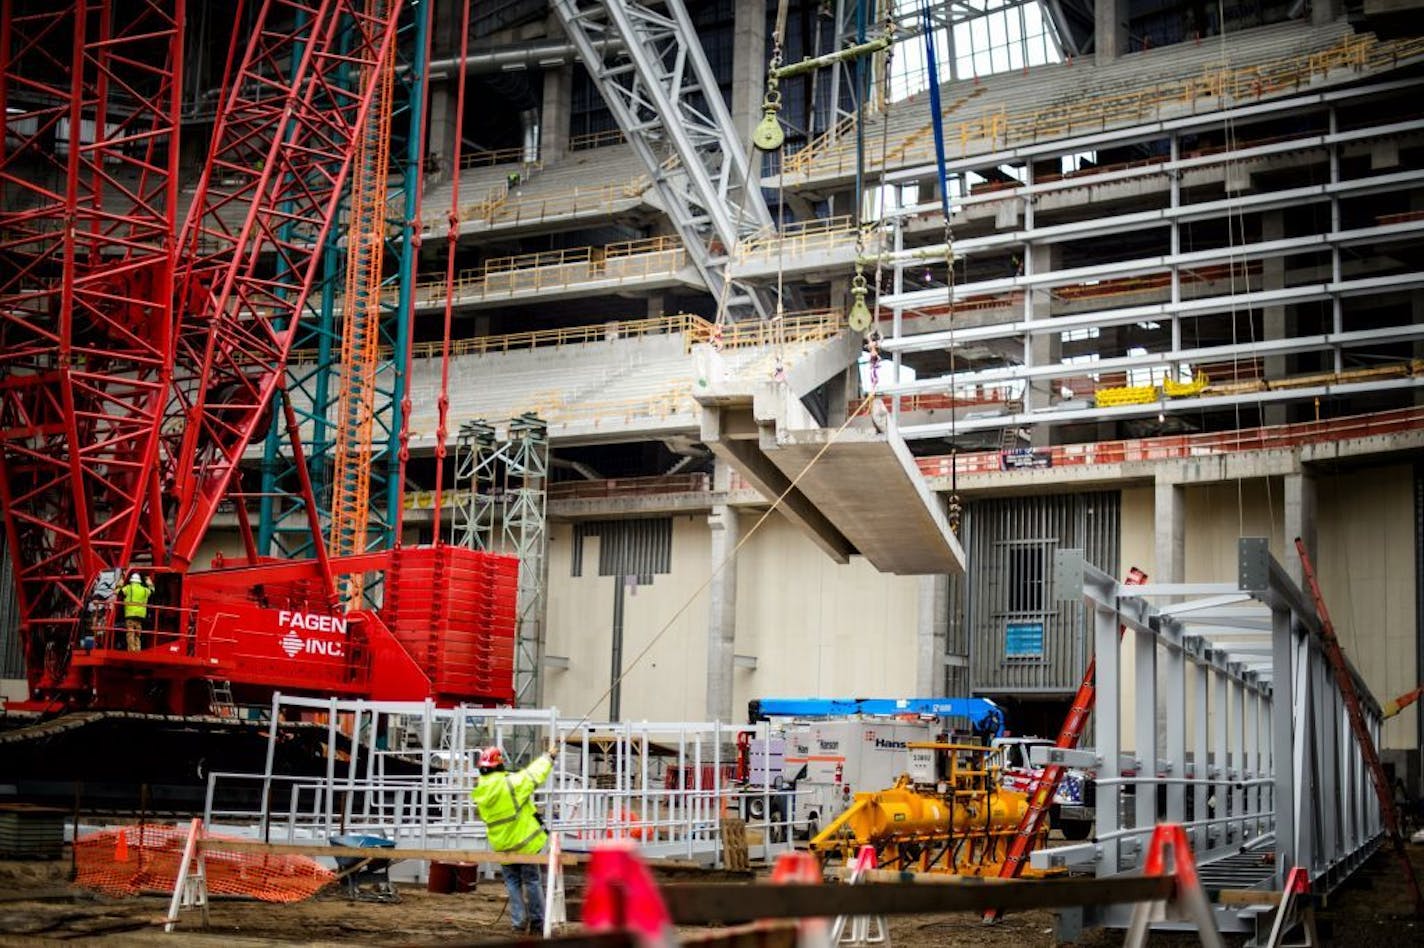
{"points": [[936, 118]]}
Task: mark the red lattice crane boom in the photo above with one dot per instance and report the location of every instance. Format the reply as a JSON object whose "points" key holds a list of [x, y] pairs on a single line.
{"points": [[282, 151], [361, 327], [88, 195]]}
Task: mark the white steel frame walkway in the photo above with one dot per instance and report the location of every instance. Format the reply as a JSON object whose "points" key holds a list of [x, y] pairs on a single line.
{"points": [[409, 770], [1270, 779]]}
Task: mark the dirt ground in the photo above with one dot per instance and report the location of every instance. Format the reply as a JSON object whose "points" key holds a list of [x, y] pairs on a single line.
{"points": [[38, 906]]}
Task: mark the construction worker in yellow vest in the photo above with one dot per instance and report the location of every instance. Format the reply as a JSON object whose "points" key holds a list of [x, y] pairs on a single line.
{"points": [[135, 594], [506, 804]]}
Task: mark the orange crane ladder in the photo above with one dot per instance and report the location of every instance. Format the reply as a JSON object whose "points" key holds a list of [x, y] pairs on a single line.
{"points": [[1346, 682], [361, 328], [1040, 798]]}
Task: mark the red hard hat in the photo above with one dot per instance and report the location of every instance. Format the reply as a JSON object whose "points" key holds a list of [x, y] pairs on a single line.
{"points": [[491, 757]]}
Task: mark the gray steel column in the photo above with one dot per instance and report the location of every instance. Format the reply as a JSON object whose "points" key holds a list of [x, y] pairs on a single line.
{"points": [[1145, 727], [1107, 725], [1238, 762], [1221, 787], [932, 633], [1201, 771], [1174, 686], [1307, 657], [724, 527]]}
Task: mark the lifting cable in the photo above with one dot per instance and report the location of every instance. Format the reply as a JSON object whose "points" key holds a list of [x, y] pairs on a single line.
{"points": [[872, 318], [727, 561], [937, 121], [420, 83], [452, 235], [1236, 227]]}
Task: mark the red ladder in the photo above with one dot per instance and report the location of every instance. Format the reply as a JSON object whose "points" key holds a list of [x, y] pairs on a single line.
{"points": [[1040, 799], [1346, 683]]}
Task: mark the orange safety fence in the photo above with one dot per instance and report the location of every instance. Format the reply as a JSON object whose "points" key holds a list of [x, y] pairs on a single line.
{"points": [[135, 860]]}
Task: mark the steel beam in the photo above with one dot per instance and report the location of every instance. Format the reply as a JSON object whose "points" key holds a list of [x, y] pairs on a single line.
{"points": [[649, 66]]}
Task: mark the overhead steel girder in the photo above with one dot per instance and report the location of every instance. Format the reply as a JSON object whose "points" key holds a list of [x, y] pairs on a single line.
{"points": [[657, 83]]}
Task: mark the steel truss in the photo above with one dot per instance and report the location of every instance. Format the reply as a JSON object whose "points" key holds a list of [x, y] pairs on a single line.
{"points": [[501, 498], [657, 83], [1238, 732], [88, 198], [315, 383], [251, 247]]}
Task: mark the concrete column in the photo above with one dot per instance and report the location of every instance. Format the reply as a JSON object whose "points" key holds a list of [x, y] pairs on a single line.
{"points": [[1170, 549], [722, 610], [1042, 348], [931, 636], [1109, 30], [1170, 532], [442, 125], [1273, 318], [1323, 11], [554, 119], [749, 59], [1299, 522]]}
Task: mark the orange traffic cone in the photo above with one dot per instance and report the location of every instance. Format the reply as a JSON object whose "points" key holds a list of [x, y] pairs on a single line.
{"points": [[121, 847]]}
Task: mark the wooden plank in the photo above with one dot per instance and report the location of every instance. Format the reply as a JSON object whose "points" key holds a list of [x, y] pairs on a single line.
{"points": [[1248, 897], [701, 904]]}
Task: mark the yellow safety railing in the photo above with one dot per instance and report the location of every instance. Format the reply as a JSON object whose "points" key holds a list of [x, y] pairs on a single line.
{"points": [[611, 136], [628, 260], [568, 335], [802, 236], [499, 156], [792, 328]]}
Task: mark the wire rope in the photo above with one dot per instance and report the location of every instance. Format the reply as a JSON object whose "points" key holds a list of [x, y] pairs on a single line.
{"points": [[452, 235], [726, 561]]}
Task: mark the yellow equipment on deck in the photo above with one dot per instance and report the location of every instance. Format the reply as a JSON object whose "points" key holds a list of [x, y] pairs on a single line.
{"points": [[951, 816]]}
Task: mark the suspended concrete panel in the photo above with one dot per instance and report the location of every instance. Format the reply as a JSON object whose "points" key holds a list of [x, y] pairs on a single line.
{"points": [[856, 493]]}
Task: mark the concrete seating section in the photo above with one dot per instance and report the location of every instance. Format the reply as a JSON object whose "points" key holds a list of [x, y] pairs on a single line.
{"points": [[608, 385], [591, 183], [1071, 98]]}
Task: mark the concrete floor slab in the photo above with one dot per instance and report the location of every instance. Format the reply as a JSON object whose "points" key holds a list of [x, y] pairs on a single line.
{"points": [[856, 493]]}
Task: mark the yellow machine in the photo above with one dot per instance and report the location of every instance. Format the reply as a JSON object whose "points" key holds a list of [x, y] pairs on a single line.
{"points": [[949, 815]]}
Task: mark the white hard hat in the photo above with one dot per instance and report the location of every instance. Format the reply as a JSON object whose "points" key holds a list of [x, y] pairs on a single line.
{"points": [[134, 577]]}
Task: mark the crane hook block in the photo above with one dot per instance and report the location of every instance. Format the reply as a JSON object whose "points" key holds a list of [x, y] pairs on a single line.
{"points": [[768, 135], [859, 316]]}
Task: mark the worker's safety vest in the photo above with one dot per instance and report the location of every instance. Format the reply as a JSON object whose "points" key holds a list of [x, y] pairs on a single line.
{"points": [[135, 600], [506, 804]]}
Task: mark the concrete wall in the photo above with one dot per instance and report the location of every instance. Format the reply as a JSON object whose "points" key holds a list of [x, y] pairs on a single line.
{"points": [[669, 683], [1366, 567], [814, 627], [817, 627]]}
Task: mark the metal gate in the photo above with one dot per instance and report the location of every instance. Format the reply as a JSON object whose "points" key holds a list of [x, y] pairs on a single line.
{"points": [[1022, 639]]}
